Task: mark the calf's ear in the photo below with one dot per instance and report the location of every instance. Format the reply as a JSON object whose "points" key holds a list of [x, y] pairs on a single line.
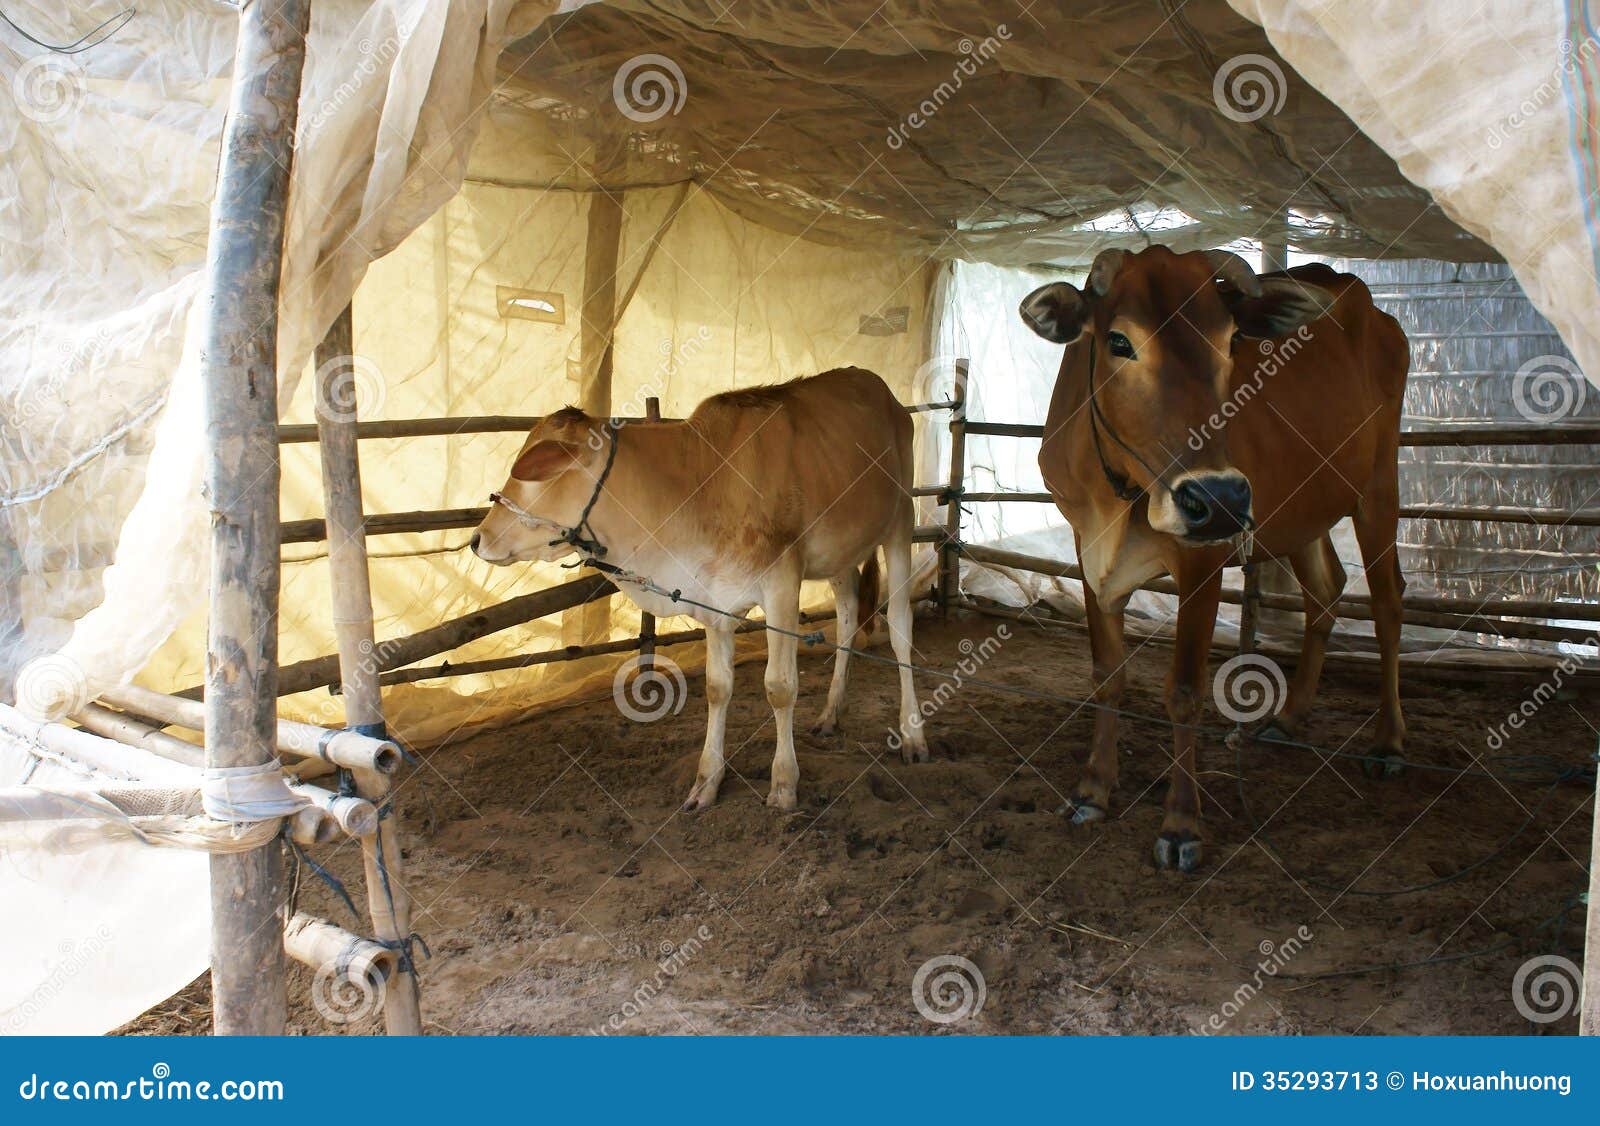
{"points": [[544, 460], [1055, 311], [1283, 305]]}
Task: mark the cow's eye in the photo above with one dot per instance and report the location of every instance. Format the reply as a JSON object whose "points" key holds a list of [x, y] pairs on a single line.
{"points": [[1119, 345], [1238, 339]]}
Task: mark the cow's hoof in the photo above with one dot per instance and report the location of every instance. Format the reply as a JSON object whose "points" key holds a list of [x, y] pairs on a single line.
{"points": [[915, 753], [1081, 811], [824, 730], [1380, 764], [782, 798], [1178, 848]]}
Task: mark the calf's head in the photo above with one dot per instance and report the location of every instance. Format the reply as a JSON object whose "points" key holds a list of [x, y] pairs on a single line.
{"points": [[550, 483], [1164, 330]]}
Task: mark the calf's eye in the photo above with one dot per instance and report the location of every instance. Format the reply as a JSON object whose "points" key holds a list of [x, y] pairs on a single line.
{"points": [[1119, 345]]}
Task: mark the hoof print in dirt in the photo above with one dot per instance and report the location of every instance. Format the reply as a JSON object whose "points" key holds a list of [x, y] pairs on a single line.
{"points": [[1178, 849], [1380, 765], [1082, 811]]}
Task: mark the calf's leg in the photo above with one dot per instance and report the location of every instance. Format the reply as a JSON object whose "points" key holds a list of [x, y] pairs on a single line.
{"points": [[719, 690], [846, 600], [781, 602], [897, 557]]}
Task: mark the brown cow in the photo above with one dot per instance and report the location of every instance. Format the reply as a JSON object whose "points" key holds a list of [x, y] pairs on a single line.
{"points": [[1203, 413], [733, 507]]}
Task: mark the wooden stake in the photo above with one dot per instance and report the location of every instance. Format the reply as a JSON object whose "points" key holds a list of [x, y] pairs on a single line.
{"points": [[239, 368], [647, 620], [1589, 1012], [950, 552], [387, 899]]}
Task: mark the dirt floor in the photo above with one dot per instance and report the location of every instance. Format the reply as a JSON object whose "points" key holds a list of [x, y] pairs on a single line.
{"points": [[562, 891]]}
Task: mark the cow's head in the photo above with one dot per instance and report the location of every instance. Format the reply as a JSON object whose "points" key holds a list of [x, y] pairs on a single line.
{"points": [[1165, 329], [551, 481]]}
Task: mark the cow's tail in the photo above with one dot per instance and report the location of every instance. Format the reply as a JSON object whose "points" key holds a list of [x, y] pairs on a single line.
{"points": [[870, 592]]}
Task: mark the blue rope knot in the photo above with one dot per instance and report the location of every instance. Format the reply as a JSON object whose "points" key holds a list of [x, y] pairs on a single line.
{"points": [[816, 638], [403, 946]]}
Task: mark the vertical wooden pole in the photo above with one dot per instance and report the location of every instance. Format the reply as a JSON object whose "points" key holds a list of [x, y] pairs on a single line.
{"points": [[950, 551], [598, 312], [11, 620], [239, 366], [387, 899], [1249, 608], [1589, 1010], [647, 621]]}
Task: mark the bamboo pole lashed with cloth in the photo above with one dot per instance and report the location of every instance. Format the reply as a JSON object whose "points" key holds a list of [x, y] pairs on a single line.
{"points": [[239, 371]]}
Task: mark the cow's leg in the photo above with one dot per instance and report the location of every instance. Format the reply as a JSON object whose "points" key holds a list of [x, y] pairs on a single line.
{"points": [[1200, 587], [781, 602], [846, 600], [1376, 519], [719, 690], [1108, 654], [1321, 577], [897, 559]]}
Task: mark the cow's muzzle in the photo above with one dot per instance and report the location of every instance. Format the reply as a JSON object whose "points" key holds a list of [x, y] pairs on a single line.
{"points": [[1214, 506]]}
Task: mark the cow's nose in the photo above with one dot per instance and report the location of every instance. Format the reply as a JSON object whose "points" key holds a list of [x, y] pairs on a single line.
{"points": [[474, 541], [1215, 506]]}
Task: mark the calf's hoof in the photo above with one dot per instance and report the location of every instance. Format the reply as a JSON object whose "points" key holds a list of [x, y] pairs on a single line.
{"points": [[702, 796], [782, 798], [1081, 810], [1178, 848], [915, 752], [825, 729], [1381, 764]]}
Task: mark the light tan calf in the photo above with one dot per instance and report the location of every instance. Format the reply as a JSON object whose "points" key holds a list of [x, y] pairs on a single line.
{"points": [[734, 507]]}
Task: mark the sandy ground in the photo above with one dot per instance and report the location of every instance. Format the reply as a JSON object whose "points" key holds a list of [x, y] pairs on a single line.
{"points": [[562, 891]]}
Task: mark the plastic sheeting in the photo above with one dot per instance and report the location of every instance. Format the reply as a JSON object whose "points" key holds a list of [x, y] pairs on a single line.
{"points": [[782, 205]]}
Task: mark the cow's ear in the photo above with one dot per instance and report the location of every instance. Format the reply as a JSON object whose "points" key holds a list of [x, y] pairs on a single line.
{"points": [[1283, 305], [544, 460], [1055, 311]]}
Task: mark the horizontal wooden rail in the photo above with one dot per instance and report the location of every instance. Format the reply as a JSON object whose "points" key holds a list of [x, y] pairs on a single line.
{"points": [[294, 433], [1432, 612], [568, 653], [390, 523], [1485, 435]]}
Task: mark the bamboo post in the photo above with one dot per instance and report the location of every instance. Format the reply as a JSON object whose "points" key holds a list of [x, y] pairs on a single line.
{"points": [[239, 369], [387, 899], [1249, 608], [11, 624], [647, 620], [950, 549], [1589, 1006]]}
